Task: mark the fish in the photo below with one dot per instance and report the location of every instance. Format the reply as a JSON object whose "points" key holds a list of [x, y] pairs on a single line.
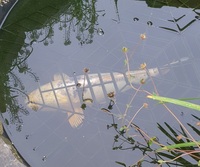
{"points": [[67, 94], [62, 92]]}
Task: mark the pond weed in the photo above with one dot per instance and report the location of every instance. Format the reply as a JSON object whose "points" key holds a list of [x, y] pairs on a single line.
{"points": [[153, 151]]}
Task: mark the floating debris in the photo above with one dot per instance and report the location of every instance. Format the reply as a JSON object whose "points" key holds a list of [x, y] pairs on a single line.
{"points": [[135, 19], [44, 158], [142, 81], [78, 85], [86, 70], [143, 36], [111, 94], [149, 23], [179, 137], [197, 17], [145, 105], [198, 124], [105, 110], [100, 31]]}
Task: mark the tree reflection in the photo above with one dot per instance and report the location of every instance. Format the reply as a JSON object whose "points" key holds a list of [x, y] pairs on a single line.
{"points": [[11, 86], [3, 2], [18, 36], [80, 17], [175, 23], [175, 3]]}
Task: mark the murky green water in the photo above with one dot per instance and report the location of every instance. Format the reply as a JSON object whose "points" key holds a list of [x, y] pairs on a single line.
{"points": [[45, 49]]}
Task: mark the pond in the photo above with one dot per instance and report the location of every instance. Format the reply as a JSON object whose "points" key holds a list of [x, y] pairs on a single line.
{"points": [[75, 76]]}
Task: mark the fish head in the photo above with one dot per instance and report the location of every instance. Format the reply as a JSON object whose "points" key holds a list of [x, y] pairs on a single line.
{"points": [[33, 100], [45, 95], [58, 95]]}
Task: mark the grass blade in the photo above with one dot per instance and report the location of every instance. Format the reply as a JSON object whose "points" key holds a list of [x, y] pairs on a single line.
{"points": [[175, 101], [181, 145]]}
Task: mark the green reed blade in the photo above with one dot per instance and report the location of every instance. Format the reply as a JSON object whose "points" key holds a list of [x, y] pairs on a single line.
{"points": [[187, 99], [181, 145], [175, 101]]}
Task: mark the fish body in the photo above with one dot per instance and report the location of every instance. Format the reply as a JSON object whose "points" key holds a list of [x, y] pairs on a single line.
{"points": [[67, 93]]}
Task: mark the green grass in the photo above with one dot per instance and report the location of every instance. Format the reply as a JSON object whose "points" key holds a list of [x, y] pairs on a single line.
{"points": [[182, 103], [180, 145]]}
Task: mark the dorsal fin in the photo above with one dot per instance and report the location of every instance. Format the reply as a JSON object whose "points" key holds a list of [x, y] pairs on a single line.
{"points": [[61, 76]]}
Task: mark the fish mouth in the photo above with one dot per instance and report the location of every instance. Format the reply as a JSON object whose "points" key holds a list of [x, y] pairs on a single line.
{"points": [[32, 105]]}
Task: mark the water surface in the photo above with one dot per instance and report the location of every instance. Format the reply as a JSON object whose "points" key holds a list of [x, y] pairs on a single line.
{"points": [[64, 38]]}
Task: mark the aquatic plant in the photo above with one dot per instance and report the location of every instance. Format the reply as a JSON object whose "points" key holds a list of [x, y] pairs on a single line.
{"points": [[184, 144], [153, 151]]}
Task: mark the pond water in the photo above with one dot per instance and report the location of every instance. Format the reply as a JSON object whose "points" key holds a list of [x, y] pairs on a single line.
{"points": [[49, 49]]}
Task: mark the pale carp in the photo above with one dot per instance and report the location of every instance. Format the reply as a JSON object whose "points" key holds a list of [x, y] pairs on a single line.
{"points": [[66, 93]]}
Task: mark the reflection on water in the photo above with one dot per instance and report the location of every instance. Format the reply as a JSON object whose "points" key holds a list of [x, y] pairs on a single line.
{"points": [[177, 22], [3, 2], [80, 18], [174, 3], [67, 18]]}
